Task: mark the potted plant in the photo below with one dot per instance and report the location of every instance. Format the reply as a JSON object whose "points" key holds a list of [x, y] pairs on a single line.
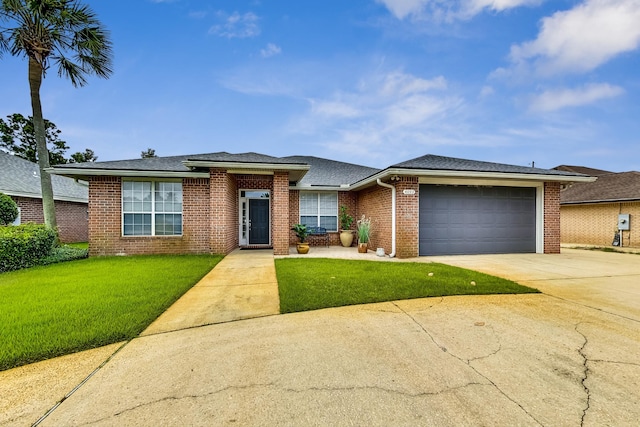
{"points": [[364, 233], [302, 233], [346, 234]]}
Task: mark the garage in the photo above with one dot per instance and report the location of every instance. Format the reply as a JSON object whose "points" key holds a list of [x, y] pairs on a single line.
{"points": [[457, 220]]}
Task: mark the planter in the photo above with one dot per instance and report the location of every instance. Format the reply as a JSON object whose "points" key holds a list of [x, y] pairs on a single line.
{"points": [[302, 248], [362, 248], [346, 238]]}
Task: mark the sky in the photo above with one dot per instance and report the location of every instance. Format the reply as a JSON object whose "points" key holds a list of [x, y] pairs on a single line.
{"points": [[371, 82]]}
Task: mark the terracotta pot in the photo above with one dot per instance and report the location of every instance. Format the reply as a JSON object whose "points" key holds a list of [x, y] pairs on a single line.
{"points": [[362, 247], [302, 248], [346, 238]]}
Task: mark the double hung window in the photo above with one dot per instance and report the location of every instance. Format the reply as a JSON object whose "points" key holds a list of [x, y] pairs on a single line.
{"points": [[319, 209], [151, 208]]}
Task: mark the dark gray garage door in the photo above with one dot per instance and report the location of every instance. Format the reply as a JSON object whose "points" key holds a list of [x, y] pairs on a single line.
{"points": [[477, 220]]}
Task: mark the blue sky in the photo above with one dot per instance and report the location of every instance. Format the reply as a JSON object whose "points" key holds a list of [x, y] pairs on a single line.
{"points": [[372, 82]]}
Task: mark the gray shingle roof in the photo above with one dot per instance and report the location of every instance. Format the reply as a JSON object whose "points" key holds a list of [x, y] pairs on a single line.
{"points": [[20, 177], [432, 162], [582, 169], [611, 187], [325, 172]]}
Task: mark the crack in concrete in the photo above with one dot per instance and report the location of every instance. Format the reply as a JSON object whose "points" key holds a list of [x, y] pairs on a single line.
{"points": [[585, 376], [468, 363], [290, 390]]}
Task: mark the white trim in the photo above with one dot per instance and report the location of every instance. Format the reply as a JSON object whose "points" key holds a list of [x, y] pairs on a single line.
{"points": [[39, 196], [245, 165], [126, 173], [153, 211], [540, 219], [245, 242]]}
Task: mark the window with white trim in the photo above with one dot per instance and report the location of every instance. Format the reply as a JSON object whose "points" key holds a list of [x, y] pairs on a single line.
{"points": [[151, 208], [319, 209]]}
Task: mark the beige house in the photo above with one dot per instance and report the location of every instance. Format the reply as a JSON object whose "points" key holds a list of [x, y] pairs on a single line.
{"points": [[590, 211]]}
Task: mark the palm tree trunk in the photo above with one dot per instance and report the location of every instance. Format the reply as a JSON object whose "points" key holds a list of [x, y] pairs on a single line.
{"points": [[48, 207]]}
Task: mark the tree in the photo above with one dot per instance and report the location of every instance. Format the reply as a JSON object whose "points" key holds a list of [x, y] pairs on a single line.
{"points": [[148, 153], [66, 33], [8, 210], [17, 136]]}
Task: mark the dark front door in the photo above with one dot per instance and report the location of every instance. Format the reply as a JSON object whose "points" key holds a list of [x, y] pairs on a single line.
{"points": [[258, 222]]}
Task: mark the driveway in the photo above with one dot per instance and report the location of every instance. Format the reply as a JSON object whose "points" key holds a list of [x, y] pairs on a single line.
{"points": [[538, 359]]}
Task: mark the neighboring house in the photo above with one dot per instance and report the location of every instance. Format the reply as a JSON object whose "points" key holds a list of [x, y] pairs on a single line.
{"points": [[20, 179], [589, 210], [215, 203]]}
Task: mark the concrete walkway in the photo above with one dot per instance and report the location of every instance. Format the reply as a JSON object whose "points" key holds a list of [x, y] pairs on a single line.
{"points": [[242, 286]]}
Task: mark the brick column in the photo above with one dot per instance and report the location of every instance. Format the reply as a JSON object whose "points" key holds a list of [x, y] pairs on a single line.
{"points": [[551, 218], [407, 217], [280, 201], [105, 218]]}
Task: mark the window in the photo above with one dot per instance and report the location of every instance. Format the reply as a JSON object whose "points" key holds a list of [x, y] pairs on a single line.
{"points": [[319, 209], [151, 208]]}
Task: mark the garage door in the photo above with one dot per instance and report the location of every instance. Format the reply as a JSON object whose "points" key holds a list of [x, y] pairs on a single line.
{"points": [[477, 220]]}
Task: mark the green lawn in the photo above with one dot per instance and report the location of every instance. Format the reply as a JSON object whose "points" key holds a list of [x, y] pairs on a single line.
{"points": [[310, 284], [63, 308]]}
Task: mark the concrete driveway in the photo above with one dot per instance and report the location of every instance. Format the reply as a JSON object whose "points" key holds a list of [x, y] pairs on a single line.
{"points": [[556, 359]]}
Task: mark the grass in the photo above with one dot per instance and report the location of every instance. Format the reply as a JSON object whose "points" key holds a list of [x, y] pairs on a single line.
{"points": [[310, 284], [58, 309]]}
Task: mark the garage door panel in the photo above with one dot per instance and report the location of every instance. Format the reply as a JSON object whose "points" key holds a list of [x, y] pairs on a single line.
{"points": [[470, 220]]}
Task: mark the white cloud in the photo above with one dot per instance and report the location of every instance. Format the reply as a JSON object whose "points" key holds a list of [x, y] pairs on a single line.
{"points": [[581, 39], [236, 25], [555, 100], [270, 50], [448, 10]]}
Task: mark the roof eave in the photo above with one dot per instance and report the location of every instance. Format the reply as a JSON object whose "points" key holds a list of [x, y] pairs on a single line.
{"points": [[39, 196], [469, 175], [585, 202], [297, 170], [86, 173]]}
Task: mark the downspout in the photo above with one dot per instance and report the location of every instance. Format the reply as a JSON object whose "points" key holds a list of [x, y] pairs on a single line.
{"points": [[393, 216]]}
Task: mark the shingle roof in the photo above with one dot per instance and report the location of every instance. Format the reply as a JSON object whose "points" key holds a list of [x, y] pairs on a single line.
{"points": [[432, 162], [331, 173], [20, 177], [611, 187], [582, 169]]}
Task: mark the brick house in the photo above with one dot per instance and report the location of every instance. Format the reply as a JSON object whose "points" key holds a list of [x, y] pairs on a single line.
{"points": [[215, 203], [20, 179], [589, 211]]}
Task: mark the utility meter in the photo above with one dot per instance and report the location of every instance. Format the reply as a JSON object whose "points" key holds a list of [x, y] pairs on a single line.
{"points": [[623, 222]]}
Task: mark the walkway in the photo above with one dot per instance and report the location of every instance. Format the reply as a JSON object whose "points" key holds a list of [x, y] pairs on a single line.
{"points": [[242, 286]]}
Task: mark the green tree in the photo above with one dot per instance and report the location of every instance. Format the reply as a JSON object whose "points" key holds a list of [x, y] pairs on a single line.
{"points": [[66, 33], [148, 153], [8, 210], [87, 156]]}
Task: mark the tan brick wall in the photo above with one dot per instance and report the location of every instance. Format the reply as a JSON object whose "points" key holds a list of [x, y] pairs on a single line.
{"points": [[72, 217], [224, 211], [105, 221], [551, 218], [595, 224]]}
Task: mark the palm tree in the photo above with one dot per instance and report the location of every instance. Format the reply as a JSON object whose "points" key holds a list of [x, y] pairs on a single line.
{"points": [[66, 33]]}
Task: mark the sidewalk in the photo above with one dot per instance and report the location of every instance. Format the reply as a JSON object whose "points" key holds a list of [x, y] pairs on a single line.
{"points": [[242, 286]]}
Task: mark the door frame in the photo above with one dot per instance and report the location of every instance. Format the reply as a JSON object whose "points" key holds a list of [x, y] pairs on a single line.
{"points": [[244, 195]]}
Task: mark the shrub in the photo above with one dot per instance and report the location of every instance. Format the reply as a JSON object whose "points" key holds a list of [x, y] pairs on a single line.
{"points": [[64, 253], [8, 210], [24, 246]]}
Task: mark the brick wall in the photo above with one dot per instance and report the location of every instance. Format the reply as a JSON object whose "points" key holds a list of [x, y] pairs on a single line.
{"points": [[551, 218], [407, 218], [224, 211], [375, 203], [595, 224], [280, 213], [72, 219], [105, 221]]}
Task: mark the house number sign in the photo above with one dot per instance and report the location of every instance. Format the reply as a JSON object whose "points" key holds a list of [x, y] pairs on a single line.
{"points": [[409, 192]]}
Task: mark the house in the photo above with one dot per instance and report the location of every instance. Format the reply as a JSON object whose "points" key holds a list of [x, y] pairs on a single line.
{"points": [[20, 179], [215, 203], [590, 211]]}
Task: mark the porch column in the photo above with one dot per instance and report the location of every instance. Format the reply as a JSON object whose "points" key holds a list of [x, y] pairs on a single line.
{"points": [[280, 233]]}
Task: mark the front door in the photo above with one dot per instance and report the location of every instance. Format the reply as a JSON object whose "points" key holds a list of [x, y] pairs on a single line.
{"points": [[258, 221]]}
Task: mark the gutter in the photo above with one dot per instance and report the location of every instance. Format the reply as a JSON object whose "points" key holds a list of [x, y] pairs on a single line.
{"points": [[393, 216]]}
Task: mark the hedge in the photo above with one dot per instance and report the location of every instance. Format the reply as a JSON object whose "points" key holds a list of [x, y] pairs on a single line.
{"points": [[8, 210], [23, 246]]}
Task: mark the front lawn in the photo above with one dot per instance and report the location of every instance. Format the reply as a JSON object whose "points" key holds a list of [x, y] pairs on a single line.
{"points": [[62, 308], [310, 284]]}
